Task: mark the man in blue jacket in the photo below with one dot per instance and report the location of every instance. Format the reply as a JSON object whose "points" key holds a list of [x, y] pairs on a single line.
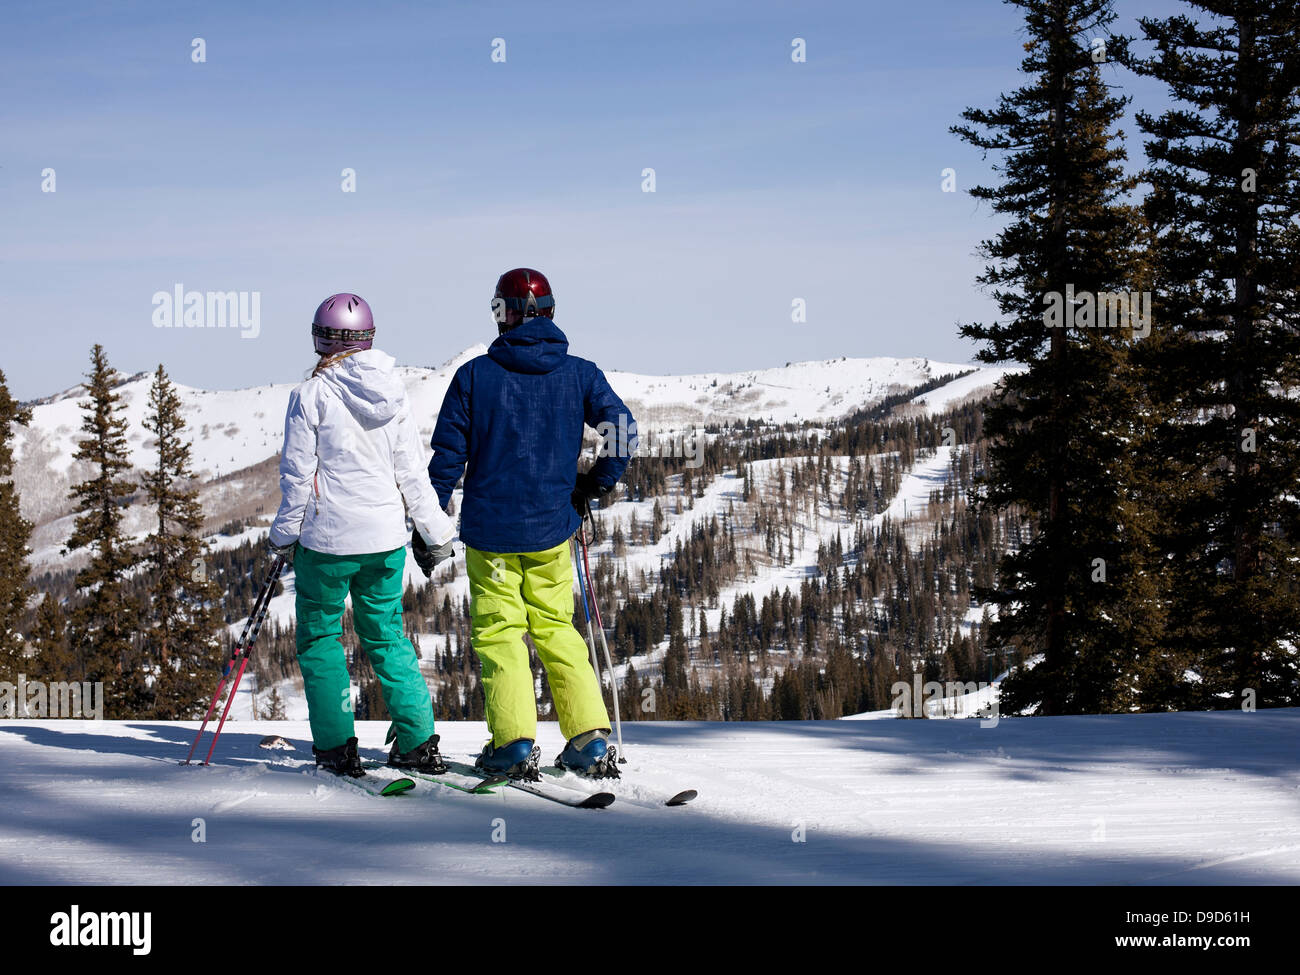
{"points": [[512, 423]]}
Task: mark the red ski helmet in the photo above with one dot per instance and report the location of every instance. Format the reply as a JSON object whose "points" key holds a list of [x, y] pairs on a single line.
{"points": [[342, 323], [521, 293]]}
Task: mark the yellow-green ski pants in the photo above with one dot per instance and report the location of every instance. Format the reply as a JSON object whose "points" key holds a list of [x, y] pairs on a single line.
{"points": [[532, 592]]}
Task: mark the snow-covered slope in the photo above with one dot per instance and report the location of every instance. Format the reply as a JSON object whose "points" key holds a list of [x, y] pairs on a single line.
{"points": [[979, 383], [796, 391], [1205, 798], [233, 429]]}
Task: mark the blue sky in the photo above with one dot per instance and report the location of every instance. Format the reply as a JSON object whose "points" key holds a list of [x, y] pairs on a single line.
{"points": [[775, 180]]}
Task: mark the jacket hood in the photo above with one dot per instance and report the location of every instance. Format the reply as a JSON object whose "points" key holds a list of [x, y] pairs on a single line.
{"points": [[537, 346], [367, 385]]}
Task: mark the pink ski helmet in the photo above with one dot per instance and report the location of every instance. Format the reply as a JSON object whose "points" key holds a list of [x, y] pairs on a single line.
{"points": [[343, 323]]}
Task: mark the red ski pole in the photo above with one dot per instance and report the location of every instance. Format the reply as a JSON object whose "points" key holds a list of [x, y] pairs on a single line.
{"points": [[246, 640], [230, 666], [248, 649]]}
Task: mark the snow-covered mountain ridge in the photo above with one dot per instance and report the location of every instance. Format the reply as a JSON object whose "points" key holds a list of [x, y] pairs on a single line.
{"points": [[233, 429]]}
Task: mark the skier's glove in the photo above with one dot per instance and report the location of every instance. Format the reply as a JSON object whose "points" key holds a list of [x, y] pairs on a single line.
{"points": [[587, 490], [427, 558], [281, 551]]}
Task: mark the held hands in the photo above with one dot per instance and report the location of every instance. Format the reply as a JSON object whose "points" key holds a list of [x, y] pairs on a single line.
{"points": [[427, 558]]}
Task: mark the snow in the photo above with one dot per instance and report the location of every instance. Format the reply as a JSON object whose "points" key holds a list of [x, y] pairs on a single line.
{"points": [[977, 385], [292, 697], [233, 429], [825, 389], [930, 471], [927, 474], [230, 429], [971, 704], [1205, 798]]}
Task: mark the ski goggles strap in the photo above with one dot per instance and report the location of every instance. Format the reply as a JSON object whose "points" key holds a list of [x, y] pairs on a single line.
{"points": [[342, 334]]}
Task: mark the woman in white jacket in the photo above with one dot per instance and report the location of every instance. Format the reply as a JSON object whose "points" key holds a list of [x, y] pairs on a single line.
{"points": [[350, 459]]}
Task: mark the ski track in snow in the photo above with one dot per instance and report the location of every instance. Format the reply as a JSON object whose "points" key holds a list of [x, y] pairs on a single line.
{"points": [[1205, 798]]}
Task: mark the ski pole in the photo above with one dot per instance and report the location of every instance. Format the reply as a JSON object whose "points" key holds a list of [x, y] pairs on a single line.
{"points": [[582, 585], [586, 612], [243, 663], [276, 569], [591, 518], [600, 629], [230, 666], [251, 628]]}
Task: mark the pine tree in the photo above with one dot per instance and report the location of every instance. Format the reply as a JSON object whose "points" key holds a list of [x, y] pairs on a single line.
{"points": [[182, 640], [274, 710], [1069, 431], [102, 635], [50, 638], [1225, 173], [15, 532]]}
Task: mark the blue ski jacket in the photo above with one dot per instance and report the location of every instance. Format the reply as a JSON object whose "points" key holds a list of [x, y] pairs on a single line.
{"points": [[512, 423]]}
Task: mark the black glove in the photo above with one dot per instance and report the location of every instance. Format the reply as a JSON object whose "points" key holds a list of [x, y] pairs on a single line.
{"points": [[585, 491], [282, 551], [427, 558]]}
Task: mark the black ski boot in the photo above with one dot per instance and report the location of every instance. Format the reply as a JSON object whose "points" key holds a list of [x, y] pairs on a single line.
{"points": [[424, 758], [343, 760]]}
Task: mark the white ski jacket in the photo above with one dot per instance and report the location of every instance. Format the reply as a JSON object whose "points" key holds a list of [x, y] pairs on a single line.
{"points": [[350, 457]]}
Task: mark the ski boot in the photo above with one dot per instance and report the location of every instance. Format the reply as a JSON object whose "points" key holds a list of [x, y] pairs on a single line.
{"points": [[517, 760], [343, 760], [591, 755], [424, 757]]}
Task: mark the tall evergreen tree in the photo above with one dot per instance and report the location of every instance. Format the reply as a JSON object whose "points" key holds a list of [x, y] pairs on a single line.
{"points": [[1069, 431], [182, 641], [50, 638], [103, 630], [15, 532], [1225, 176]]}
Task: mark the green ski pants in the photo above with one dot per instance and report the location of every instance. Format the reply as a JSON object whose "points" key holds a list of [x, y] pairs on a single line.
{"points": [[375, 582]]}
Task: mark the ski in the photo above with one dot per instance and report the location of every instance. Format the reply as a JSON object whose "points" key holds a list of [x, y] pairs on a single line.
{"points": [[484, 786], [393, 787], [397, 787], [598, 800], [677, 799]]}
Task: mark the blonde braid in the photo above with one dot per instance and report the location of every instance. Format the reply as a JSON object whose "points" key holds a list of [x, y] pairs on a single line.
{"points": [[328, 360]]}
